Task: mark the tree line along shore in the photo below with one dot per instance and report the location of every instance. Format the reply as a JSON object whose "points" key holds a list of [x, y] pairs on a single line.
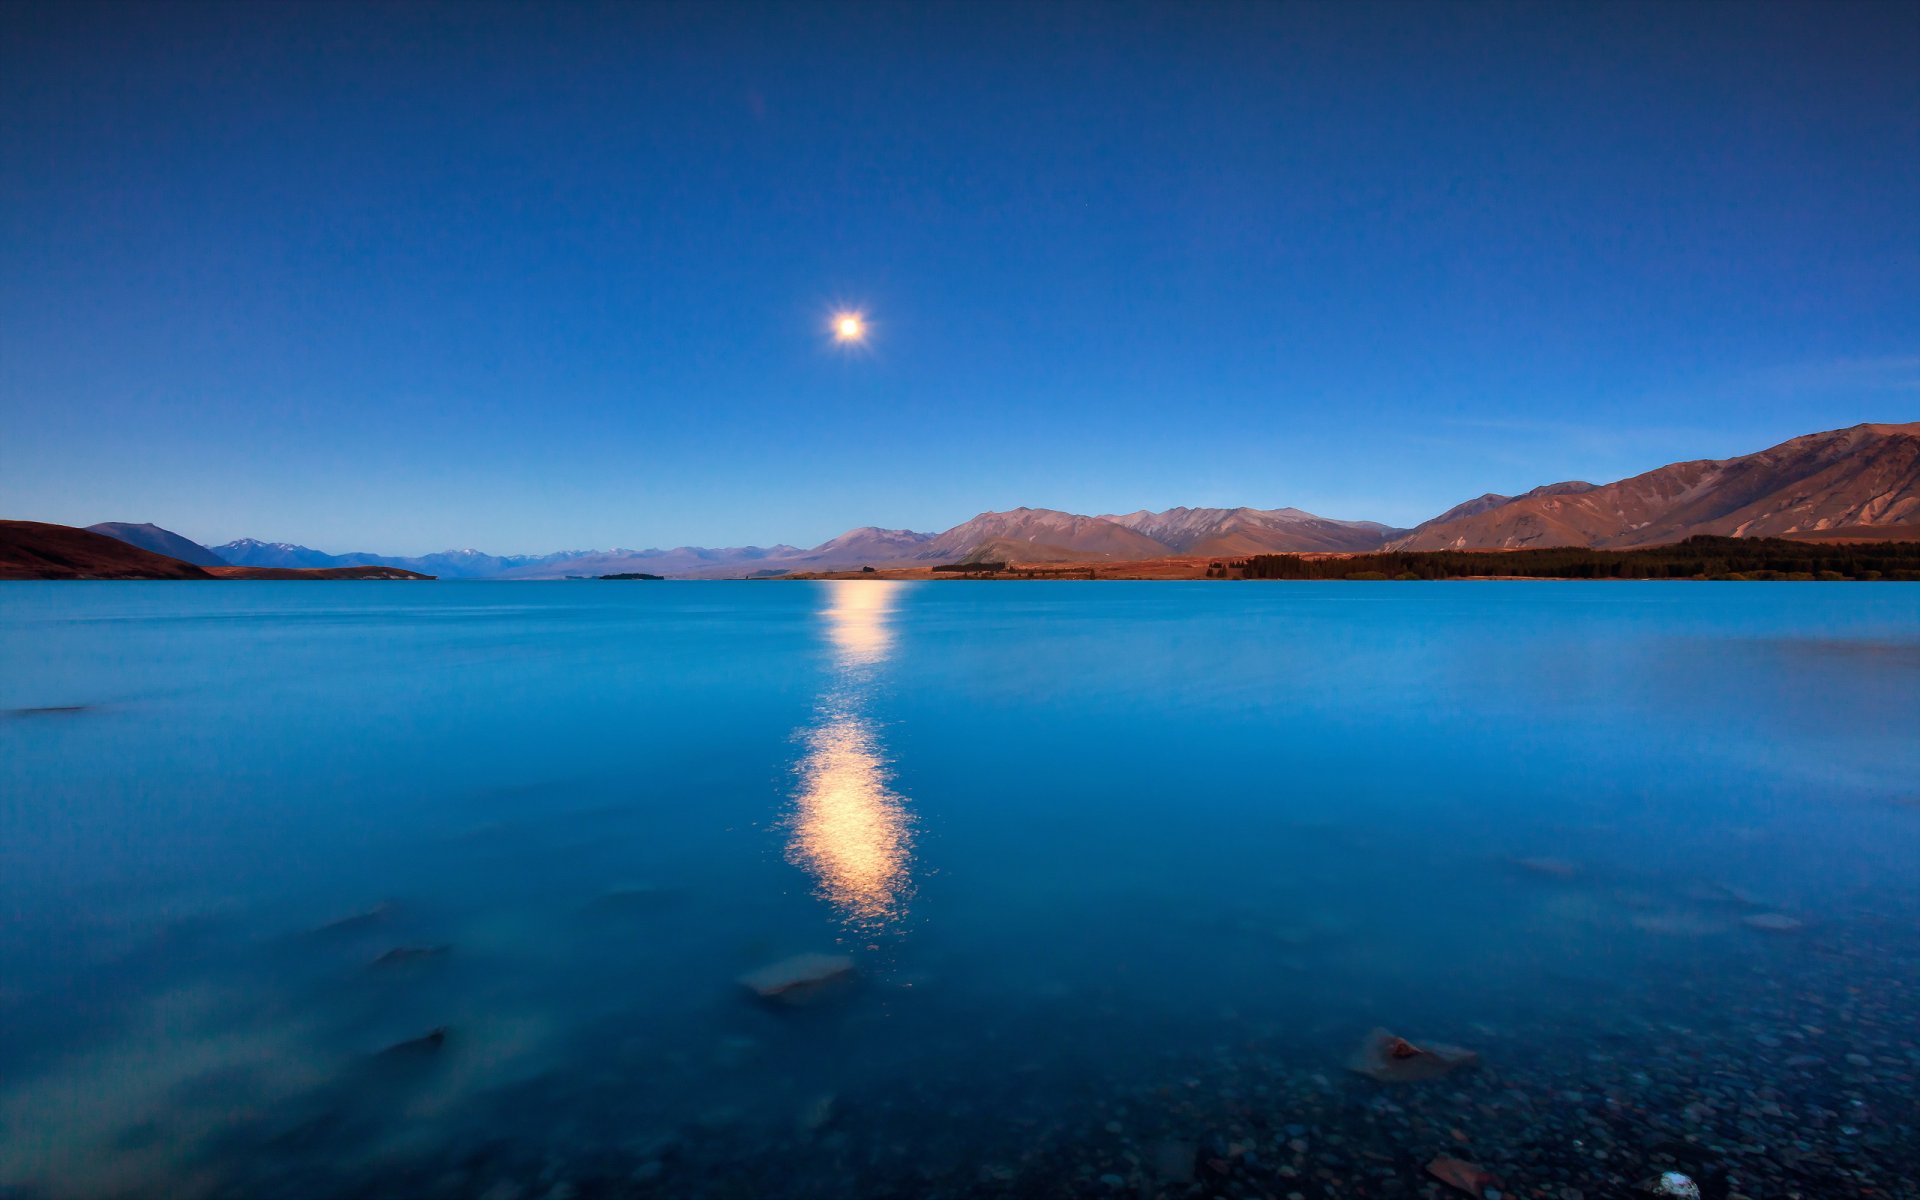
{"points": [[1701, 557]]}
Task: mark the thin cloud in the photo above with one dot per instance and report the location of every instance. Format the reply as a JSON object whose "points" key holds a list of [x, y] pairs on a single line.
{"points": [[1574, 437], [1890, 373]]}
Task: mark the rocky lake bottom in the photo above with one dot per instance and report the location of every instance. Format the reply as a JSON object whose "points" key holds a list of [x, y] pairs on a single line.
{"points": [[525, 892], [1790, 1068]]}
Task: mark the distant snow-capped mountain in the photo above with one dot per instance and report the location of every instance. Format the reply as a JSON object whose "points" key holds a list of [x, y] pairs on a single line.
{"points": [[252, 552], [447, 564]]}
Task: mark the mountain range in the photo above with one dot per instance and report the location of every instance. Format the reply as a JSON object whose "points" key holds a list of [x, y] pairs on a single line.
{"points": [[1864, 478], [1022, 534], [37, 550], [152, 538]]}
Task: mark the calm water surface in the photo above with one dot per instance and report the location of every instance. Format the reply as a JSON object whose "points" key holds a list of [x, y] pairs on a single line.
{"points": [[1126, 872]]}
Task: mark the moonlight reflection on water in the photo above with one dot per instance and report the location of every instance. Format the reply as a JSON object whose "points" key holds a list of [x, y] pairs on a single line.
{"points": [[849, 829], [1643, 848]]}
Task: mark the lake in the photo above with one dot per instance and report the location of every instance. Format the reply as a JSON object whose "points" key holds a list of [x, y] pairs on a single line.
{"points": [[446, 889]]}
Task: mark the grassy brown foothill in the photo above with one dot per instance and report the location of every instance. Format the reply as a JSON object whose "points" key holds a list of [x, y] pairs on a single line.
{"points": [[39, 550]]}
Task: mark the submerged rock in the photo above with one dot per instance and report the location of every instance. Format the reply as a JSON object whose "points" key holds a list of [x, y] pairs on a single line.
{"points": [[1727, 893], [426, 1045], [816, 1114], [1470, 1178], [1392, 1059], [801, 979], [1773, 922], [358, 922], [1672, 1183], [636, 898], [1173, 1160]]}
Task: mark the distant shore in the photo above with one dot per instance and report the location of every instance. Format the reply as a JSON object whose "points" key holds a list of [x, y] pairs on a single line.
{"points": [[35, 550], [1696, 558]]}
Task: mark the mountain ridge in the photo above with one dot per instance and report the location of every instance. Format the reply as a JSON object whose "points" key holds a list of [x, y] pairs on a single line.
{"points": [[1233, 531], [1023, 532], [1860, 477], [148, 536], [39, 550]]}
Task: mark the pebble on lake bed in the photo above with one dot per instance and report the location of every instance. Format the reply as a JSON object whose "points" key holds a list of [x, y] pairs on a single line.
{"points": [[1672, 1183], [801, 979], [1392, 1059], [1173, 1160], [1470, 1178]]}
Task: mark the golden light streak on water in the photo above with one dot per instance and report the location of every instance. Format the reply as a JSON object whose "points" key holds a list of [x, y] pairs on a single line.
{"points": [[850, 830], [859, 616]]}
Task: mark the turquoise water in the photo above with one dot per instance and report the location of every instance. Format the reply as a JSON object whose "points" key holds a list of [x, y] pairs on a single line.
{"points": [[1126, 871]]}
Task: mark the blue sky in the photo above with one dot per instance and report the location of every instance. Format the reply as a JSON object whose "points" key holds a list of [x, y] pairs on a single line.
{"points": [[400, 278]]}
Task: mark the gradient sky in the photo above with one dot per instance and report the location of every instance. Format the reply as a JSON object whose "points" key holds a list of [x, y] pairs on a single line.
{"points": [[530, 277]]}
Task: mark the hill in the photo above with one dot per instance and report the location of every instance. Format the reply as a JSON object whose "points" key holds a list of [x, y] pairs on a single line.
{"points": [[1860, 478], [867, 544], [1028, 534], [1253, 530], [35, 550], [160, 541]]}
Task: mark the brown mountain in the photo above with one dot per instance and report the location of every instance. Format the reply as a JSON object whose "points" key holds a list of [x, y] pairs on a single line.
{"points": [[1864, 477], [868, 544], [1021, 534], [35, 550], [1039, 535], [1466, 508], [1230, 531], [1492, 500], [1836, 484]]}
